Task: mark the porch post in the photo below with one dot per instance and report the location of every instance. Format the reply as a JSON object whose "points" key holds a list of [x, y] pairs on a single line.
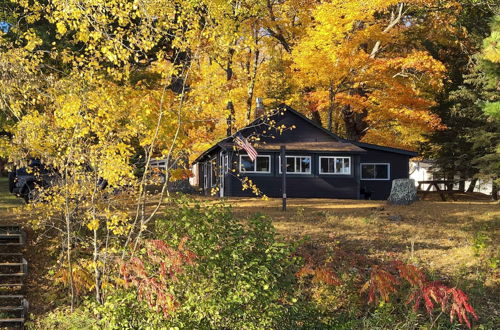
{"points": [[283, 176]]}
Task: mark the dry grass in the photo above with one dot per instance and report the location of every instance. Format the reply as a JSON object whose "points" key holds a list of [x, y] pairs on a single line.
{"points": [[439, 235]]}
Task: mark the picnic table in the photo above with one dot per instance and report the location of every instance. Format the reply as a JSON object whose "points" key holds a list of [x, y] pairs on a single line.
{"points": [[448, 187]]}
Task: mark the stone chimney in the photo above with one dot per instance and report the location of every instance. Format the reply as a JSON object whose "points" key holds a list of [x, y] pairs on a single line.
{"points": [[259, 107]]}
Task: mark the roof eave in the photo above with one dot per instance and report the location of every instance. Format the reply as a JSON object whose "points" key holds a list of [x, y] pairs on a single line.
{"points": [[383, 148]]}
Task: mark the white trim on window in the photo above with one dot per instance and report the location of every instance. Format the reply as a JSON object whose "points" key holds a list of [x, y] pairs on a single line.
{"points": [[373, 179], [334, 167], [255, 165], [294, 157]]}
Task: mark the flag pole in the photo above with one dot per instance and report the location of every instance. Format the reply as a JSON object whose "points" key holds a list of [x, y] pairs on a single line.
{"points": [[283, 176]]}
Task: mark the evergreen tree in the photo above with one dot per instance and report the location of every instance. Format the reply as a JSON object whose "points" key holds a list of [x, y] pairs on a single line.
{"points": [[488, 137], [455, 149]]}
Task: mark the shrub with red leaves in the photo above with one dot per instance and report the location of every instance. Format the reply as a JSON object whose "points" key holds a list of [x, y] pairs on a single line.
{"points": [[381, 284], [447, 298], [155, 272], [385, 280]]}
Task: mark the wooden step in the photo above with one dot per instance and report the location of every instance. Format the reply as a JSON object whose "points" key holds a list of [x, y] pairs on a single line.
{"points": [[16, 320], [11, 296], [11, 233], [6, 259], [13, 274], [10, 264], [11, 308], [8, 238], [11, 257], [10, 225], [11, 285]]}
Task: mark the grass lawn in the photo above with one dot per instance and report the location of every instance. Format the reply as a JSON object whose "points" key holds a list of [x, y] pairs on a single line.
{"points": [[439, 234], [7, 200], [452, 240]]}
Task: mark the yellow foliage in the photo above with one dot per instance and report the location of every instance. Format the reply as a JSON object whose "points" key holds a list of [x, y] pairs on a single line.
{"points": [[355, 59]]}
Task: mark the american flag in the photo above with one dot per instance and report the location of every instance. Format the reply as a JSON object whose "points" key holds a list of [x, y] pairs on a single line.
{"points": [[243, 143]]}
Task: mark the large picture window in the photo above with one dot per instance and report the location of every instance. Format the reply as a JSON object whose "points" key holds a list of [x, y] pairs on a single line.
{"points": [[297, 164], [261, 165], [375, 171], [335, 165]]}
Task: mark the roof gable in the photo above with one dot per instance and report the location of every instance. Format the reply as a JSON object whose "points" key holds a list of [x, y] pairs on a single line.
{"points": [[298, 129]]}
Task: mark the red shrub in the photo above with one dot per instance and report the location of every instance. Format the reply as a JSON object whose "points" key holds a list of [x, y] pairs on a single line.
{"points": [[447, 298], [154, 274], [381, 284], [384, 281]]}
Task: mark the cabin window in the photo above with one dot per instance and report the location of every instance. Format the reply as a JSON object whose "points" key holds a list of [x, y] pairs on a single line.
{"points": [[335, 165], [262, 164], [297, 164], [375, 171]]}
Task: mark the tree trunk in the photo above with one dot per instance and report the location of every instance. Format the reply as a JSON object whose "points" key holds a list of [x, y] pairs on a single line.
{"points": [[494, 191], [252, 74], [331, 107], [67, 220], [97, 271], [461, 184], [70, 262], [472, 185], [277, 33], [355, 124], [317, 118], [230, 106], [230, 118]]}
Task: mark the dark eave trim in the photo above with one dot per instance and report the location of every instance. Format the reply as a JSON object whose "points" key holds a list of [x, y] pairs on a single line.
{"points": [[382, 148]]}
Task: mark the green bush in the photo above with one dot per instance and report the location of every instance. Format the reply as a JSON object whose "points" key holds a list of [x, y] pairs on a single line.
{"points": [[121, 310], [243, 278]]}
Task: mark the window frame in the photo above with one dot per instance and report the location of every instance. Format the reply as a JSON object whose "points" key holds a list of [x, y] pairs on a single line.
{"points": [[255, 165], [334, 159], [296, 156], [375, 179]]}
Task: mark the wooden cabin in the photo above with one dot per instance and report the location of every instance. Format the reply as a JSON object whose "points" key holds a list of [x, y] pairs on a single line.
{"points": [[319, 163]]}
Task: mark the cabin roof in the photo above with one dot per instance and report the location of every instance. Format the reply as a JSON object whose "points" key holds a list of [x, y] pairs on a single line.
{"points": [[336, 145]]}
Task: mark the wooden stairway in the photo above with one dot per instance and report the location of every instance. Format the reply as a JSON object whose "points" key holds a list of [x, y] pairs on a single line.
{"points": [[13, 271]]}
